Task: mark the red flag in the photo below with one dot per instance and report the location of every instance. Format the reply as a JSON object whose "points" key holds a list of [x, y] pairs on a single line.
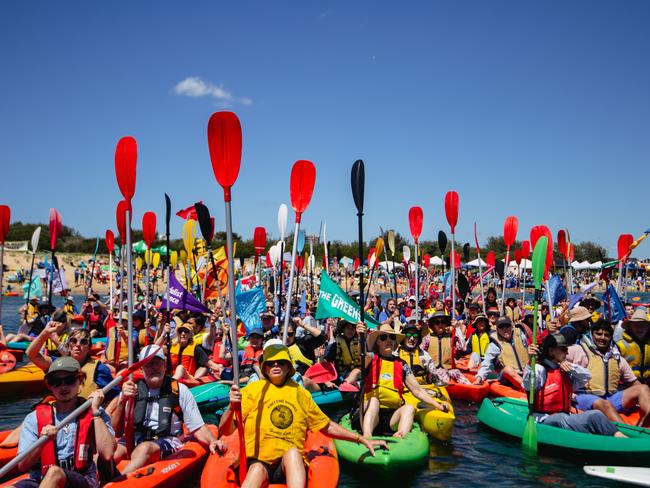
{"points": [[188, 213]]}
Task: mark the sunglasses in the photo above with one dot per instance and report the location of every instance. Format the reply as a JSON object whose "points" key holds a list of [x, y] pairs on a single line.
{"points": [[505, 326], [385, 337], [412, 334], [183, 332], [64, 380], [279, 362], [439, 322], [492, 314], [291, 334], [81, 342]]}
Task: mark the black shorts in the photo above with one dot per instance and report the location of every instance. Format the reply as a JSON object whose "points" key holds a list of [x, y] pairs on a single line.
{"points": [[383, 425], [274, 471], [74, 479]]}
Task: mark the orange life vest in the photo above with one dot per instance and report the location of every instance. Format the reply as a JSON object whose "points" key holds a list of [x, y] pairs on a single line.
{"points": [[555, 397], [184, 356]]}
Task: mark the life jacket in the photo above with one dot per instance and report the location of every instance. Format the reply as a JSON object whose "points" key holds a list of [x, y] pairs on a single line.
{"points": [[251, 357], [69, 309], [52, 348], [94, 319], [605, 375], [412, 358], [198, 338], [143, 338], [480, 342], [216, 350], [83, 443], [89, 385], [637, 355], [440, 351], [168, 404], [385, 381], [122, 349], [514, 355], [298, 357], [184, 356], [32, 313], [556, 395], [348, 356]]}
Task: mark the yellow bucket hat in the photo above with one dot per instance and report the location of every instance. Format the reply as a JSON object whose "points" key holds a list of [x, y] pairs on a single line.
{"points": [[278, 352]]}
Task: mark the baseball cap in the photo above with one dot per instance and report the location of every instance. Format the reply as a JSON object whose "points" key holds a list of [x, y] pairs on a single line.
{"points": [[64, 363], [152, 349]]}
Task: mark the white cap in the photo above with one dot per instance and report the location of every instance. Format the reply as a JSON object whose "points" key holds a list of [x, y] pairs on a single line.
{"points": [[152, 349]]}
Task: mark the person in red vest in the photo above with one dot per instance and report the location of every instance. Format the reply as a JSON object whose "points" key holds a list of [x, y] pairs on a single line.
{"points": [[67, 459], [555, 381]]}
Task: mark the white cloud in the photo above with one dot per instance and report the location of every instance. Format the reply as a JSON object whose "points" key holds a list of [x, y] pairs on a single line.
{"points": [[195, 87]]}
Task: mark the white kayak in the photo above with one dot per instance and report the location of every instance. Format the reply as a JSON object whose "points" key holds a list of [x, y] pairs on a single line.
{"points": [[625, 474]]}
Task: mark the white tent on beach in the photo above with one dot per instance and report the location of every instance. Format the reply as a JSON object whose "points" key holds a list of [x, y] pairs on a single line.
{"points": [[475, 263], [525, 264]]}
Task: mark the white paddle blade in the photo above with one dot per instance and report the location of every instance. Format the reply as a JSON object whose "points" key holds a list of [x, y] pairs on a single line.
{"points": [[282, 220], [35, 237], [274, 254], [406, 252], [391, 242]]}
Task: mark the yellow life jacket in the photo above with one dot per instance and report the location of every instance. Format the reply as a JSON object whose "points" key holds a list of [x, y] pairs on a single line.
{"points": [[198, 338], [298, 357], [32, 313], [69, 309], [637, 355], [110, 348], [605, 375], [480, 343], [348, 356], [440, 351], [89, 384], [183, 356], [385, 381], [52, 347], [412, 358], [514, 355]]}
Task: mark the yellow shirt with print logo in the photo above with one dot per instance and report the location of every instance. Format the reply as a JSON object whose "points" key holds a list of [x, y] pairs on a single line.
{"points": [[278, 418]]}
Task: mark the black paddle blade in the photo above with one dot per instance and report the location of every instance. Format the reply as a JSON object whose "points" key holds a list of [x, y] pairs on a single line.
{"points": [[203, 214], [168, 213], [499, 268], [442, 241], [358, 181], [466, 252], [338, 253], [463, 286]]}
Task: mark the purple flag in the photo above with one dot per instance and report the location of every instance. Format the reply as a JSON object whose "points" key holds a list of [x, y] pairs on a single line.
{"points": [[181, 299]]}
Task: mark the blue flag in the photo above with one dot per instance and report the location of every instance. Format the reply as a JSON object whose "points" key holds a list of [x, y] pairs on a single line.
{"points": [[34, 288], [303, 303], [615, 309], [249, 305], [556, 289]]}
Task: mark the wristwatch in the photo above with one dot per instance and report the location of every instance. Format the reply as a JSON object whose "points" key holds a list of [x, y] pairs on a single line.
{"points": [[97, 415]]}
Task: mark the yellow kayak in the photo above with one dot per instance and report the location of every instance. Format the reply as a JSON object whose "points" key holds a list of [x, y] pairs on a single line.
{"points": [[436, 423], [22, 382]]}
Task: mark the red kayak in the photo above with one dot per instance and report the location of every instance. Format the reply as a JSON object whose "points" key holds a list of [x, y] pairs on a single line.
{"points": [[468, 393], [499, 390]]}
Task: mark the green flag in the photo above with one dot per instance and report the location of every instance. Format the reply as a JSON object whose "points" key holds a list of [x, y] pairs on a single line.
{"points": [[334, 302]]}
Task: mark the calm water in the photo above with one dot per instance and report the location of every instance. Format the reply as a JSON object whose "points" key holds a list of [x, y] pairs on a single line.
{"points": [[474, 456]]}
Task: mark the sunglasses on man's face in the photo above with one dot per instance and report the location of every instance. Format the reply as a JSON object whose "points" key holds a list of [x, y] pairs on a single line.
{"points": [[183, 332], [81, 342], [291, 334], [412, 334], [63, 380], [438, 322], [384, 337]]}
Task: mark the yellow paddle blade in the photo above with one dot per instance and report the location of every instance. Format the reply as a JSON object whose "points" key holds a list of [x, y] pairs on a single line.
{"points": [[183, 256], [189, 235], [379, 248], [156, 260], [138, 263], [391, 242], [148, 256], [173, 258]]}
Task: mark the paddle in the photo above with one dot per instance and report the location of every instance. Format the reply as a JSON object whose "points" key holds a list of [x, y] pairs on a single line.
{"points": [[282, 227], [55, 230], [35, 237], [525, 254], [92, 270], [406, 259], [303, 178], [109, 238], [168, 262], [322, 372], [391, 246], [529, 439], [189, 238], [149, 235], [326, 246], [5, 219], [569, 259], [510, 227], [480, 267], [206, 224], [7, 468], [120, 217], [358, 183], [451, 212], [259, 243], [416, 218], [535, 233]]}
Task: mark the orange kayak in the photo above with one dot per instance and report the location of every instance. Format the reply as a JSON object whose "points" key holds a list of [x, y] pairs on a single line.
{"points": [[7, 452], [220, 471], [23, 382], [468, 393], [499, 390]]}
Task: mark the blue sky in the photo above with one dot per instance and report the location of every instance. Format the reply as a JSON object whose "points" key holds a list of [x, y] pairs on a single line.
{"points": [[536, 109]]}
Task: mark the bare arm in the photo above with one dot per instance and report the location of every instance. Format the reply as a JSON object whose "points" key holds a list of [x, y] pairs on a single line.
{"points": [[34, 349], [421, 394], [337, 431], [104, 441]]}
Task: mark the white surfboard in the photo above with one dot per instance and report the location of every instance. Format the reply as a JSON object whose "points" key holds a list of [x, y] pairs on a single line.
{"points": [[626, 474]]}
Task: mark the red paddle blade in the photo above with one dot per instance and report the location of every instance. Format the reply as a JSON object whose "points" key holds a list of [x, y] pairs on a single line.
{"points": [[426, 260], [356, 264], [525, 249], [415, 222], [518, 256], [5, 218], [224, 143], [570, 252], [489, 259], [478, 248], [510, 227], [456, 257], [126, 156], [624, 241], [370, 255], [451, 209], [535, 233], [110, 241], [55, 227], [300, 262], [259, 239], [561, 242], [149, 228], [120, 217], [303, 178]]}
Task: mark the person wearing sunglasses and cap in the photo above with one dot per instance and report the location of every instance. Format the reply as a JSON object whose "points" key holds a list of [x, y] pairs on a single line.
{"points": [[443, 346], [386, 378], [506, 354], [277, 413], [67, 458], [163, 406], [555, 381], [635, 344]]}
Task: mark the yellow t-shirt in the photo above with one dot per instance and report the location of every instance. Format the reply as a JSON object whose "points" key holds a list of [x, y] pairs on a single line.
{"points": [[278, 418]]}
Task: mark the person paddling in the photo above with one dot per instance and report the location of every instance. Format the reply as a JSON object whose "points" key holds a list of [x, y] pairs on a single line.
{"points": [[67, 460]]}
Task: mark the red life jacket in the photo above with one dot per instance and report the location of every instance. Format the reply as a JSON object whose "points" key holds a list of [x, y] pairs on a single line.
{"points": [[83, 443], [375, 369], [216, 350], [251, 356], [555, 397]]}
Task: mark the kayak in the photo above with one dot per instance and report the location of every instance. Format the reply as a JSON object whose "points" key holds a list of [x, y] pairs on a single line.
{"points": [[174, 470], [221, 469], [7, 452], [24, 381], [468, 393], [436, 423], [412, 450], [500, 390], [23, 345], [508, 416], [211, 396], [626, 474]]}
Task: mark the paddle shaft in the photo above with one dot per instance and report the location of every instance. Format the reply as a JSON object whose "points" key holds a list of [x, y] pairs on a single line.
{"points": [[129, 292], [231, 294], [480, 278], [362, 317], [287, 304], [51, 279], [2, 268], [92, 271], [110, 280], [505, 275], [452, 264], [146, 283]]}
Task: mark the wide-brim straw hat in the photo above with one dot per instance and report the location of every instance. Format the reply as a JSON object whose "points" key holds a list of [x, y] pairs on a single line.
{"points": [[383, 329], [639, 316]]}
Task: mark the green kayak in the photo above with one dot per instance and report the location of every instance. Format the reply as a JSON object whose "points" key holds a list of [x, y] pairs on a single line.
{"points": [[508, 416], [211, 396], [409, 451]]}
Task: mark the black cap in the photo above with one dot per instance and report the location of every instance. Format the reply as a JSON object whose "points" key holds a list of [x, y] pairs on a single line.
{"points": [[504, 322]]}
